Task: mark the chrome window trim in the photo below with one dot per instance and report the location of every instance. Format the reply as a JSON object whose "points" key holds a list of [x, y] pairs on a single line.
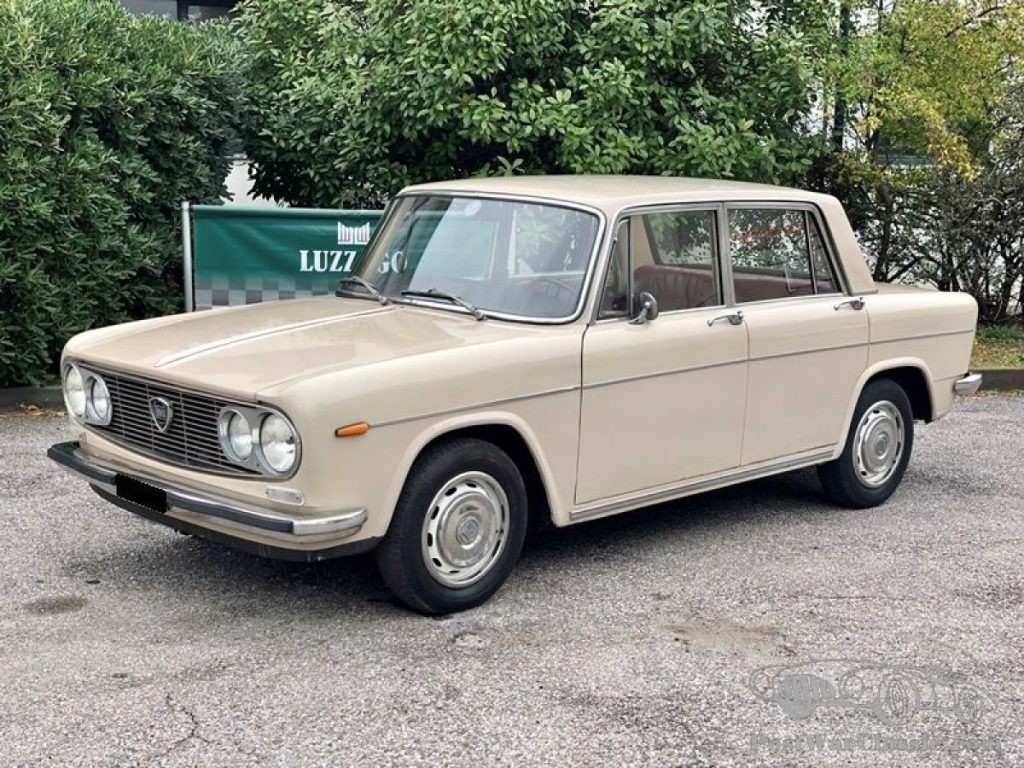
{"points": [[599, 299], [826, 237], [644, 208], [781, 299], [585, 287]]}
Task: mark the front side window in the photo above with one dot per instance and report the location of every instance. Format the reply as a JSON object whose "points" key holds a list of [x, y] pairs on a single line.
{"points": [[672, 255], [503, 256], [777, 253], [615, 295], [675, 259]]}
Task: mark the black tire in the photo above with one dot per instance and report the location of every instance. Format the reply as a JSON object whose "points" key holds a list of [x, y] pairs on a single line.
{"points": [[841, 478], [401, 557]]}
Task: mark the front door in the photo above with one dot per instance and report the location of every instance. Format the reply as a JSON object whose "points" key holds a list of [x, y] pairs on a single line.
{"points": [[664, 400]]}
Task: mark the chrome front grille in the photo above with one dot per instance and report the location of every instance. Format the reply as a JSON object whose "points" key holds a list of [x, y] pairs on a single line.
{"points": [[191, 439]]}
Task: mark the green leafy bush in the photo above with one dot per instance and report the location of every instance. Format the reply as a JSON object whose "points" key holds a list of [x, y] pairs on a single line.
{"points": [[357, 99], [107, 122]]}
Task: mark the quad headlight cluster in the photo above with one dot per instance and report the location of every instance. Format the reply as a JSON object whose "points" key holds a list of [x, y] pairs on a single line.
{"points": [[86, 396], [259, 438]]}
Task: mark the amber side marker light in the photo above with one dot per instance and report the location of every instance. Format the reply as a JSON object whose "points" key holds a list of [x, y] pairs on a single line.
{"points": [[352, 430]]}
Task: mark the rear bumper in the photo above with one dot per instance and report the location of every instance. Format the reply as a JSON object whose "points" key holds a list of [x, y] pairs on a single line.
{"points": [[249, 529], [968, 385]]}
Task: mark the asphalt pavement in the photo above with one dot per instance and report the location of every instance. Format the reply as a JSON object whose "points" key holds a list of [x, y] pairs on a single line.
{"points": [[752, 626]]}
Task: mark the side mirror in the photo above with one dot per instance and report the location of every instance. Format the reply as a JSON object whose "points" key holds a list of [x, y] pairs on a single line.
{"points": [[647, 308]]}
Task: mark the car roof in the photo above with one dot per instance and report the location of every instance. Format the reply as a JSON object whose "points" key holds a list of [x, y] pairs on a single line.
{"points": [[612, 193]]}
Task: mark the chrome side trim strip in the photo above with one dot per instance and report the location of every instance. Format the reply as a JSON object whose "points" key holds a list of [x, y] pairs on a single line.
{"points": [[199, 349], [70, 458], [798, 352], [922, 336], [479, 406], [641, 376], [778, 355], [967, 385], [689, 487]]}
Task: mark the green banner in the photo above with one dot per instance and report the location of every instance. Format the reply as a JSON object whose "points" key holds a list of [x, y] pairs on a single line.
{"points": [[249, 254]]}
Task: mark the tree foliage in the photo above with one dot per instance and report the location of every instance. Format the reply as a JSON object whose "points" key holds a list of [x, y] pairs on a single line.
{"points": [[107, 122], [920, 95], [357, 99]]}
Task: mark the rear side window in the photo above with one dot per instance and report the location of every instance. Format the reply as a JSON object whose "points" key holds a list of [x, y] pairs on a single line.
{"points": [[777, 253], [824, 276]]}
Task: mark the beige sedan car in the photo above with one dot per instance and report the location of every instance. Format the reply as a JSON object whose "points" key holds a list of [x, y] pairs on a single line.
{"points": [[517, 351]]}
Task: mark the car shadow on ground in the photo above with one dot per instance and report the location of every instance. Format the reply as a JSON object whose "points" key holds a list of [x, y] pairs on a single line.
{"points": [[176, 564]]}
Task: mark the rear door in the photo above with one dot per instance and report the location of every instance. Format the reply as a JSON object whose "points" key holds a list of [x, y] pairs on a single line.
{"points": [[808, 341]]}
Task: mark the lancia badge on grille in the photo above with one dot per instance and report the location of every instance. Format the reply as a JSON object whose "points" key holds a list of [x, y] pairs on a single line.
{"points": [[161, 411]]}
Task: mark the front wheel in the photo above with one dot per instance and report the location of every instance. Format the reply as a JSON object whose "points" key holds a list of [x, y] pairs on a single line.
{"points": [[877, 448], [458, 527]]}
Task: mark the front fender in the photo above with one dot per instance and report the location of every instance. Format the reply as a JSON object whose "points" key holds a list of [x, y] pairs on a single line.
{"points": [[433, 429]]}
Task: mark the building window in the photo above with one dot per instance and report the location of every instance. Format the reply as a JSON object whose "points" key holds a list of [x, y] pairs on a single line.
{"points": [[183, 10]]}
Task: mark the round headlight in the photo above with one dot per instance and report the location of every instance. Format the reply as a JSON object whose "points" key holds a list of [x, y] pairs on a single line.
{"points": [[74, 392], [277, 443], [239, 434], [97, 400]]}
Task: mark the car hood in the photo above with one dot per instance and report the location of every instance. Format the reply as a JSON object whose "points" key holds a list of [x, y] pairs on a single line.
{"points": [[241, 351]]}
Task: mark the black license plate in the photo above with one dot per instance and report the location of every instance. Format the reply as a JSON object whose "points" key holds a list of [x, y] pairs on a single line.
{"points": [[137, 492]]}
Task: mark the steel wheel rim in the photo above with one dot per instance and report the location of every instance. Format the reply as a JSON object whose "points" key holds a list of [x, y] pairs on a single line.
{"points": [[465, 529], [878, 444]]}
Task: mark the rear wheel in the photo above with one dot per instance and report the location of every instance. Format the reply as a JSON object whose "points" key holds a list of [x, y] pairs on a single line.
{"points": [[458, 527], [877, 448]]}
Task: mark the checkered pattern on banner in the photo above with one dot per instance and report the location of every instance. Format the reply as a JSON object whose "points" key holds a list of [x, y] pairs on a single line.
{"points": [[225, 291]]}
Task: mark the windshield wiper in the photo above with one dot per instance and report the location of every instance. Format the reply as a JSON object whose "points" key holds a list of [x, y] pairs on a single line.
{"points": [[433, 293], [369, 287]]}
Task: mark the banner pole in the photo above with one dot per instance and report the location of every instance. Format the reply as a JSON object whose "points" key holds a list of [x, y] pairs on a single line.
{"points": [[186, 254]]}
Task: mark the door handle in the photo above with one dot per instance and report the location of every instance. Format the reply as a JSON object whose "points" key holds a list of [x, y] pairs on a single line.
{"points": [[854, 303], [734, 318]]}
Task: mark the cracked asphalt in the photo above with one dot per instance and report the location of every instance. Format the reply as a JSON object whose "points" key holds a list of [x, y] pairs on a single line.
{"points": [[629, 641]]}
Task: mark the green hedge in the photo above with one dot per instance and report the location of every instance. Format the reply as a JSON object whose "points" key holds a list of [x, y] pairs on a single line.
{"points": [[107, 122], [357, 99]]}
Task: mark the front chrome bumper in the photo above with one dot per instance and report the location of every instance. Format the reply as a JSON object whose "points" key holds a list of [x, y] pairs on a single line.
{"points": [[115, 486], [968, 385]]}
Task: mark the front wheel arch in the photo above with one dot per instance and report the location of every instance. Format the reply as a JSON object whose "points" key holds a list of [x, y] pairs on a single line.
{"points": [[510, 439], [458, 528]]}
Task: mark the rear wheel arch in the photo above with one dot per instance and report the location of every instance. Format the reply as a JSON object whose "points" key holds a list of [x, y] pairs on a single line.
{"points": [[914, 381], [876, 449], [910, 374]]}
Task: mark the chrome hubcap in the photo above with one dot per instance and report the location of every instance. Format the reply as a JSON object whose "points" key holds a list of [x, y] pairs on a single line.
{"points": [[465, 530], [878, 444]]}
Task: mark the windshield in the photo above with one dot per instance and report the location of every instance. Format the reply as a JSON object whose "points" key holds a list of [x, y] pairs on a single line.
{"points": [[502, 256]]}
